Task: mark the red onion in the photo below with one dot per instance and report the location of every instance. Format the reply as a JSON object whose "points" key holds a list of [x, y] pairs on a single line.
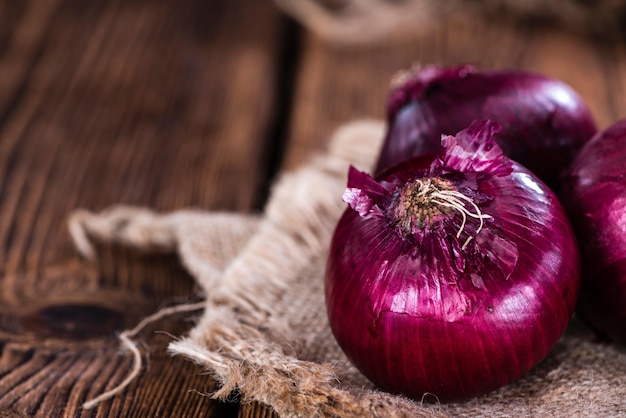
{"points": [[594, 194], [544, 121], [452, 273]]}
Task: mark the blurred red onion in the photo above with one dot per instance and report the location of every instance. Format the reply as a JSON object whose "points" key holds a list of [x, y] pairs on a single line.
{"points": [[544, 121], [453, 273], [594, 195]]}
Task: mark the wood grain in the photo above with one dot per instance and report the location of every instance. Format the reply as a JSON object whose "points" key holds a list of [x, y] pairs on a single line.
{"points": [[154, 103]]}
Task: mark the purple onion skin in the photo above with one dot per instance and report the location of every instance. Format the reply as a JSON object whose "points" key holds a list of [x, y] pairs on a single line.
{"points": [[594, 195], [544, 121], [415, 311]]}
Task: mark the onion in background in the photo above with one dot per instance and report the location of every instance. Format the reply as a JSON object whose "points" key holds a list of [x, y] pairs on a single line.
{"points": [[594, 195], [544, 121]]}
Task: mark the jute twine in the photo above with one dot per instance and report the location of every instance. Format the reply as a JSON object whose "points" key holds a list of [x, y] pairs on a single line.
{"points": [[264, 331], [361, 22]]}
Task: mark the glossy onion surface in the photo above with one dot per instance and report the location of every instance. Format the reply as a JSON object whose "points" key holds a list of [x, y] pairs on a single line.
{"points": [[594, 194], [435, 300], [544, 121]]}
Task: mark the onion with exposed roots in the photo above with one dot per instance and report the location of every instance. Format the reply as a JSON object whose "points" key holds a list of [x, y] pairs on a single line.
{"points": [[452, 273]]}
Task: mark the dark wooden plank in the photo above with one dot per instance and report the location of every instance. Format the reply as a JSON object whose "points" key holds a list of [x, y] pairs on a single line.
{"points": [[617, 80], [147, 102], [256, 410], [22, 29]]}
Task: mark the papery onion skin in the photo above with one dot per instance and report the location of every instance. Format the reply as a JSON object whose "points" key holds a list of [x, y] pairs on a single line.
{"points": [[545, 122], [594, 195], [416, 313]]}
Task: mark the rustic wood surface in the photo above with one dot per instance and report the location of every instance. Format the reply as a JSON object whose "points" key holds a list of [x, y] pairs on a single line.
{"points": [[168, 105]]}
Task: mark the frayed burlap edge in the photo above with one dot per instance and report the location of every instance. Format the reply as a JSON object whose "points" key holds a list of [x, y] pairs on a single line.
{"points": [[248, 268], [264, 331]]}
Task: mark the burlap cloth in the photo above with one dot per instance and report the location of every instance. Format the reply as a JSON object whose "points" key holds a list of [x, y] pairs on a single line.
{"points": [[264, 331]]}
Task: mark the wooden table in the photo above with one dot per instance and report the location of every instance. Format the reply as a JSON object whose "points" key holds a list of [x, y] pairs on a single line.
{"points": [[172, 104]]}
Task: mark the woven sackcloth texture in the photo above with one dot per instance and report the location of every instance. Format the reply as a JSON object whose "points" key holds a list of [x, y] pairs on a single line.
{"points": [[264, 331]]}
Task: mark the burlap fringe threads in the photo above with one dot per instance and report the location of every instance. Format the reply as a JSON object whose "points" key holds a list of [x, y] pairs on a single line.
{"points": [[264, 330], [245, 337]]}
